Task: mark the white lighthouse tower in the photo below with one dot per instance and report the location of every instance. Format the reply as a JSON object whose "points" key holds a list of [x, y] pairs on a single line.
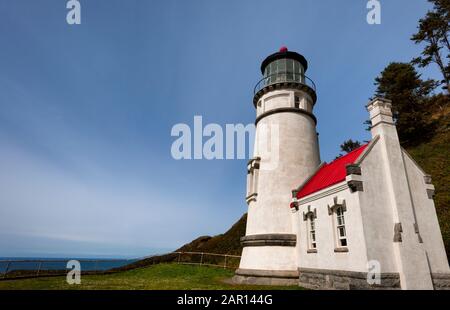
{"points": [[286, 151]]}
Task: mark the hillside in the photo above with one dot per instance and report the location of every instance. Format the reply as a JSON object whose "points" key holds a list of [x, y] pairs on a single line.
{"points": [[227, 243], [433, 156]]}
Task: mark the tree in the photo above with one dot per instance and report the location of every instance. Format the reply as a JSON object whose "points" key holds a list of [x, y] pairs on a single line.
{"points": [[433, 30], [401, 83], [350, 145]]}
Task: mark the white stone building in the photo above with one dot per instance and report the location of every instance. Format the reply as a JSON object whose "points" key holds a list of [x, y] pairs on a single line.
{"points": [[365, 220]]}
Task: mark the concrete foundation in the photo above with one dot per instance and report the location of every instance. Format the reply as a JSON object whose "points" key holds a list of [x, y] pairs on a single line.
{"points": [[265, 277], [344, 280], [441, 281]]}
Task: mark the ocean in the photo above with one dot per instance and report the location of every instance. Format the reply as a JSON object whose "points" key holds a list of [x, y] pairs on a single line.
{"points": [[47, 264]]}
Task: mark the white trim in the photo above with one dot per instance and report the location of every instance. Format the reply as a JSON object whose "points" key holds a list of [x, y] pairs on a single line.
{"points": [[367, 150], [412, 159], [338, 187]]}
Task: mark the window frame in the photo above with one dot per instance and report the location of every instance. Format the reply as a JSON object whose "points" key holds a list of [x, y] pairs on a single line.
{"points": [[310, 220], [336, 210], [252, 179], [341, 232], [311, 227], [296, 101]]}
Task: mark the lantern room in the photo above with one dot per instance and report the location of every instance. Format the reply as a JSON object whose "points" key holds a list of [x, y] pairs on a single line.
{"points": [[284, 69], [284, 66]]}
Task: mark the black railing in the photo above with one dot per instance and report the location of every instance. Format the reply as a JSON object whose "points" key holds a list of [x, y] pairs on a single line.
{"points": [[284, 77], [209, 259]]}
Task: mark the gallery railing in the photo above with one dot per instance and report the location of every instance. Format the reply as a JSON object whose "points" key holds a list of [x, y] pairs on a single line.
{"points": [[284, 77]]}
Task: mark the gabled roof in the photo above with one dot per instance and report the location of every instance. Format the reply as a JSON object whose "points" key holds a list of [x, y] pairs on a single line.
{"points": [[330, 174]]}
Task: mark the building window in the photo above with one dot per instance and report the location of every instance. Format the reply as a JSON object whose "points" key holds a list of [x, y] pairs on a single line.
{"points": [[309, 217], [252, 179], [337, 209], [259, 107], [297, 101], [340, 226], [312, 232]]}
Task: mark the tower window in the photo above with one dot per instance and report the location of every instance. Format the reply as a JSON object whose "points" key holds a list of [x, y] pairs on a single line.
{"points": [[340, 226], [297, 101], [252, 178]]}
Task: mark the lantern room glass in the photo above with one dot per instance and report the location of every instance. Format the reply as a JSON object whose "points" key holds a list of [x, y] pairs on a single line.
{"points": [[284, 70]]}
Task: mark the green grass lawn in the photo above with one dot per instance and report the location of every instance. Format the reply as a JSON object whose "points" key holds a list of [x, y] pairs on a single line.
{"points": [[156, 277]]}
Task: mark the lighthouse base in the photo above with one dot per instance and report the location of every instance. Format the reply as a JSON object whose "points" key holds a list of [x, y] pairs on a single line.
{"points": [[265, 277], [268, 259]]}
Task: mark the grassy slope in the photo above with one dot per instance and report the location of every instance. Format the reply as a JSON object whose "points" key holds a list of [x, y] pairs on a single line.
{"points": [[157, 277]]}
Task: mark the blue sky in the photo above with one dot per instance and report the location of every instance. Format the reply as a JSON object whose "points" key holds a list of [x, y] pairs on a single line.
{"points": [[86, 111]]}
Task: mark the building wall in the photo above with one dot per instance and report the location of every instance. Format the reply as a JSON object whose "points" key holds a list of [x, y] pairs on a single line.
{"points": [[377, 216], [326, 233], [426, 217], [286, 143], [279, 173], [409, 253], [264, 257]]}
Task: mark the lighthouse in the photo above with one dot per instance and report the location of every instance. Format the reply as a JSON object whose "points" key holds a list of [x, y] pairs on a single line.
{"points": [[286, 151]]}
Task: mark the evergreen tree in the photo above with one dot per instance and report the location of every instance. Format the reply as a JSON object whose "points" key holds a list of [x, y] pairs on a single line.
{"points": [[433, 30], [401, 83], [350, 145]]}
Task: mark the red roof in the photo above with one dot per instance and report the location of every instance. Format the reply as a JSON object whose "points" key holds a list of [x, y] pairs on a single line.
{"points": [[330, 174]]}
